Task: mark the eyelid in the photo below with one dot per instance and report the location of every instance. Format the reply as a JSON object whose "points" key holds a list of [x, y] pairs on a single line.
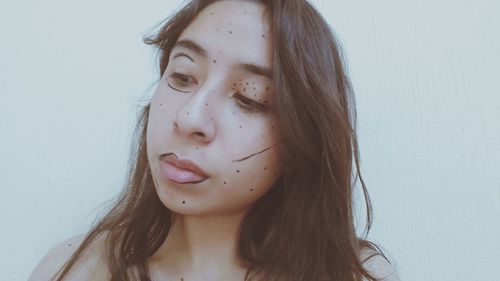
{"points": [[182, 75], [252, 103], [176, 77]]}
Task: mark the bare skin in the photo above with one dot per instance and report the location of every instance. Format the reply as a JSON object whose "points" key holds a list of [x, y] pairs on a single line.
{"points": [[198, 114]]}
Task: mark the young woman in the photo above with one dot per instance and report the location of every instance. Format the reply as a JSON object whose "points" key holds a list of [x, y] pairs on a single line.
{"points": [[244, 160]]}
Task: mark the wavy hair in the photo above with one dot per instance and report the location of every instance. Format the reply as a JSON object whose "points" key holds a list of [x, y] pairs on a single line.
{"points": [[303, 228]]}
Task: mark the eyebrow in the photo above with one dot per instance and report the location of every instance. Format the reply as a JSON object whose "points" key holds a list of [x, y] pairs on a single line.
{"points": [[200, 51]]}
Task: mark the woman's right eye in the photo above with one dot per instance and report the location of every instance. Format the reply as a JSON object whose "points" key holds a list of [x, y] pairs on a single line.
{"points": [[181, 82]]}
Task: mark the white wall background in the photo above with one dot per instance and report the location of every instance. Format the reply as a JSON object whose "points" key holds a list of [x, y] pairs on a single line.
{"points": [[426, 75]]}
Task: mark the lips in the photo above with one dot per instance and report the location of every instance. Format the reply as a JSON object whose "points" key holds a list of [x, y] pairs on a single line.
{"points": [[181, 170]]}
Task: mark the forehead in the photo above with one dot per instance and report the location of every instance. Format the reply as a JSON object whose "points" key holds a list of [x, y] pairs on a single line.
{"points": [[232, 31]]}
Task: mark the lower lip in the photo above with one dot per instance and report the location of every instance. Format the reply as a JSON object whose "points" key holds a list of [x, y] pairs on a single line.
{"points": [[179, 175]]}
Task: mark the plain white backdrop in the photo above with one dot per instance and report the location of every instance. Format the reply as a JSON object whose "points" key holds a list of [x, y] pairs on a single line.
{"points": [[426, 76]]}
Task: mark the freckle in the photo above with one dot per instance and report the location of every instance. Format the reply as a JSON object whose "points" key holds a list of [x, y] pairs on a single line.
{"points": [[254, 95], [215, 61], [253, 82], [267, 88], [206, 103], [263, 36], [160, 104], [244, 89], [216, 29], [212, 13], [234, 112], [237, 171], [211, 118], [247, 83], [265, 168], [183, 202], [254, 88], [197, 148], [225, 182], [240, 127], [265, 102], [69, 244], [234, 84], [251, 189], [230, 32]]}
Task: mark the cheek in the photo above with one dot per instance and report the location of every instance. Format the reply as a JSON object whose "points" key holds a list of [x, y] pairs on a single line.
{"points": [[247, 181], [254, 163]]}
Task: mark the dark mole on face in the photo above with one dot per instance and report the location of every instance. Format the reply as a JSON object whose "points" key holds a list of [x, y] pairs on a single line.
{"points": [[183, 202], [230, 32], [237, 171], [215, 61], [225, 182], [265, 168], [187, 113], [240, 127], [251, 189], [69, 244]]}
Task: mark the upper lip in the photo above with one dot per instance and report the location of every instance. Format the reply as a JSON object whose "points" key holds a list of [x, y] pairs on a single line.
{"points": [[185, 164]]}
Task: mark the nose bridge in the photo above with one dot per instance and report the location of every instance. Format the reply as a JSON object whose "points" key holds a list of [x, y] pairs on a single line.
{"points": [[195, 117]]}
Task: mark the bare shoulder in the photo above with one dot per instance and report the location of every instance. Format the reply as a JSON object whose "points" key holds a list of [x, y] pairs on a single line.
{"points": [[378, 266], [90, 266]]}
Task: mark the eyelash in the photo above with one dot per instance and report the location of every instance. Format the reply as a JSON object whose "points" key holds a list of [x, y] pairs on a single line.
{"points": [[243, 102], [249, 104]]}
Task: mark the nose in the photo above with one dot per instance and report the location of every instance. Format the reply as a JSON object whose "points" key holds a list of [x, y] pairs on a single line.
{"points": [[194, 119]]}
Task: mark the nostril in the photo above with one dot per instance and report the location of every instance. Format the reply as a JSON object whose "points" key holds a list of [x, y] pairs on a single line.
{"points": [[200, 134]]}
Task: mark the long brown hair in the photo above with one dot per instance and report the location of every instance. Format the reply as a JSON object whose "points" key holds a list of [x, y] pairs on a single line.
{"points": [[303, 228]]}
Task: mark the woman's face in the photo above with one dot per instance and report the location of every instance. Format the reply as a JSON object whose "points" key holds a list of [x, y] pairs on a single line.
{"points": [[213, 106]]}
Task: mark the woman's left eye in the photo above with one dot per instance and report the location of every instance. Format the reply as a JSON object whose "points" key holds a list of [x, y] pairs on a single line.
{"points": [[249, 104]]}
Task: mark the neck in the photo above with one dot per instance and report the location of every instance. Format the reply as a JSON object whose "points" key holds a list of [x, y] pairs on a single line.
{"points": [[201, 247]]}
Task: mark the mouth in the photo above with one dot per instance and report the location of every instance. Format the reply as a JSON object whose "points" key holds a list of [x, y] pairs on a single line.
{"points": [[182, 171]]}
